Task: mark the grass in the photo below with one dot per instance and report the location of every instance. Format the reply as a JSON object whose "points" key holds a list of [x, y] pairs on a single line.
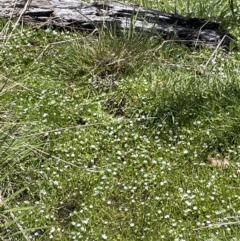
{"points": [[106, 138]]}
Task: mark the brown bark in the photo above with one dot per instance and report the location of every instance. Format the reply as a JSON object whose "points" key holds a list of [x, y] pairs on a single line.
{"points": [[79, 15]]}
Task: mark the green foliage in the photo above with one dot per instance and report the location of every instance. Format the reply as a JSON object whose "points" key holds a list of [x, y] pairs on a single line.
{"points": [[105, 137]]}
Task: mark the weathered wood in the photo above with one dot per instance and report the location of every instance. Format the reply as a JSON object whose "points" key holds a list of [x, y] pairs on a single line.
{"points": [[80, 15]]}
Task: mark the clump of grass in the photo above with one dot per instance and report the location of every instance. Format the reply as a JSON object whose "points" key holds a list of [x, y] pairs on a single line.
{"points": [[18, 157], [105, 58]]}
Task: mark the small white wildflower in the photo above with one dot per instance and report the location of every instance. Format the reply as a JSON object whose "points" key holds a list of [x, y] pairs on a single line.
{"points": [[104, 236], [43, 192], [53, 229], [85, 221], [83, 229], [163, 182]]}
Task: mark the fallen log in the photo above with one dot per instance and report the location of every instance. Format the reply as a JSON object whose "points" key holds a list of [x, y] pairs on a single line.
{"points": [[79, 15]]}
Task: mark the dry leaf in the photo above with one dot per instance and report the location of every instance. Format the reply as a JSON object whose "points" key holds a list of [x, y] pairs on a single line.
{"points": [[218, 162]]}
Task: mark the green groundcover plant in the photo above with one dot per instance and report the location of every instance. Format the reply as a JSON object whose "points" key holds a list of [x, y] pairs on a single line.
{"points": [[106, 137]]}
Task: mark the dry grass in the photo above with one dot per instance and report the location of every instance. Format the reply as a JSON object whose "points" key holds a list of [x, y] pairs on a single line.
{"points": [[218, 162]]}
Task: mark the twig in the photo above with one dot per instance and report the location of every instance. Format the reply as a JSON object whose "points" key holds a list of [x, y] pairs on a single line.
{"points": [[217, 225]]}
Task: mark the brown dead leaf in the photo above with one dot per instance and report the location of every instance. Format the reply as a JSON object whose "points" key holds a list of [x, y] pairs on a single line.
{"points": [[218, 162]]}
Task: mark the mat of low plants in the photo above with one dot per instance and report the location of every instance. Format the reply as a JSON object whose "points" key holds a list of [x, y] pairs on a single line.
{"points": [[112, 137]]}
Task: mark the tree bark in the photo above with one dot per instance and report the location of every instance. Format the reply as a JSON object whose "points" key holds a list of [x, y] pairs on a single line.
{"points": [[79, 15]]}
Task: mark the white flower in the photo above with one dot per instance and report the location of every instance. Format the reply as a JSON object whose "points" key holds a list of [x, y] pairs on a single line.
{"points": [[85, 221], [104, 236], [53, 229]]}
